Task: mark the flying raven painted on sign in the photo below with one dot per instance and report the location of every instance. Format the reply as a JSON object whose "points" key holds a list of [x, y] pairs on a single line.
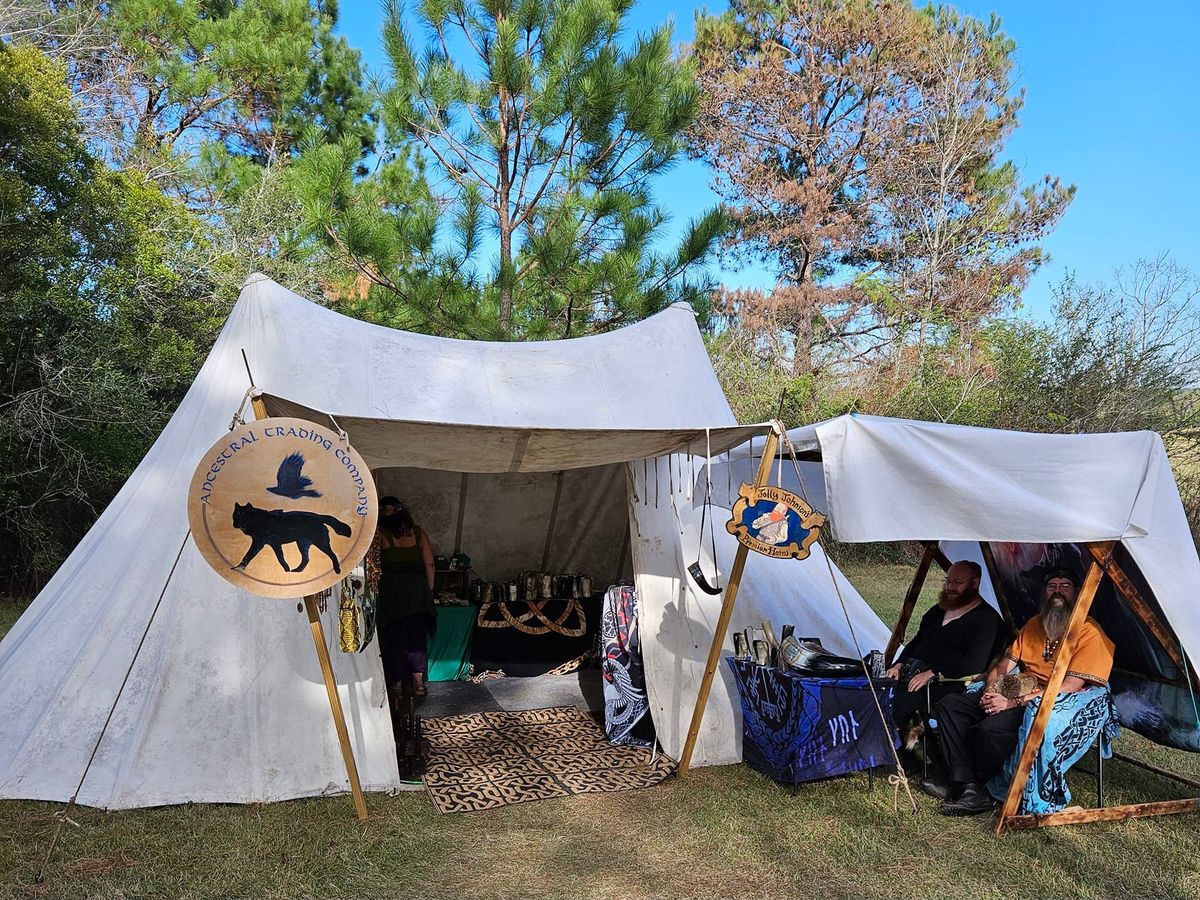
{"points": [[290, 483]]}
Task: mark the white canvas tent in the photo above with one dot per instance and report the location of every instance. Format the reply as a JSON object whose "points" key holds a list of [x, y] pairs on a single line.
{"points": [[220, 695], [1113, 495], [892, 480]]}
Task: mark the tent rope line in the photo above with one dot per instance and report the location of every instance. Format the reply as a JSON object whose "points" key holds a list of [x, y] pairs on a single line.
{"points": [[62, 816], [899, 779], [237, 414]]}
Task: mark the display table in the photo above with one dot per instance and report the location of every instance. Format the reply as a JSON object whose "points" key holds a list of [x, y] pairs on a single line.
{"points": [[450, 644], [796, 728], [525, 638]]}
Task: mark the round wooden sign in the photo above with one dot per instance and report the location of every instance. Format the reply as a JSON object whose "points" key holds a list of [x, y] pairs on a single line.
{"points": [[282, 507], [774, 522]]}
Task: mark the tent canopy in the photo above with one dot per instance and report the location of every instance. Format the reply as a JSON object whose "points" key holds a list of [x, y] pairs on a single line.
{"points": [[476, 449], [894, 479], [891, 479], [197, 673]]}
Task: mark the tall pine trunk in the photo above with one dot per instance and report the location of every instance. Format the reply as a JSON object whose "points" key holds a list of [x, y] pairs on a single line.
{"points": [[504, 219]]}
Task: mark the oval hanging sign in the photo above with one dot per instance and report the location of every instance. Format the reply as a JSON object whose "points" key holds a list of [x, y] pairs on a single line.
{"points": [[774, 522], [282, 507]]}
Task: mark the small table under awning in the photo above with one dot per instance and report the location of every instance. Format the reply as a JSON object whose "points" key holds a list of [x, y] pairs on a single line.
{"points": [[450, 644], [796, 728]]}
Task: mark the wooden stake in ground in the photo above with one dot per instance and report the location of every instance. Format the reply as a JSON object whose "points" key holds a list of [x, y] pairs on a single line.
{"points": [[335, 703], [731, 590]]}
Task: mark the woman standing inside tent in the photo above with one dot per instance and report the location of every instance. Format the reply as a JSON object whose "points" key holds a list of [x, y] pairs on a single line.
{"points": [[406, 613]]}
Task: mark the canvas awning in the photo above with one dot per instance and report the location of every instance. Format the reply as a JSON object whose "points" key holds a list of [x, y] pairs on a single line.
{"points": [[894, 479], [459, 447]]}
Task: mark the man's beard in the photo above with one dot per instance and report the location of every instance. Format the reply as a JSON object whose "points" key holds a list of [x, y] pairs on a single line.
{"points": [[1054, 618], [950, 602]]}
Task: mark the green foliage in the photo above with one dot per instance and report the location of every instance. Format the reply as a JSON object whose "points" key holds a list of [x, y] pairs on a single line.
{"points": [[1119, 357], [247, 76], [541, 135], [97, 331]]}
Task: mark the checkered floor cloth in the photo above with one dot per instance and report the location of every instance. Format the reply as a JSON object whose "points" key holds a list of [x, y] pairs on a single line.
{"points": [[488, 759]]}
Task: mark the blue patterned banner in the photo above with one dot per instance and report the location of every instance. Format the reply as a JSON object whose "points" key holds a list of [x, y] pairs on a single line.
{"points": [[796, 728]]}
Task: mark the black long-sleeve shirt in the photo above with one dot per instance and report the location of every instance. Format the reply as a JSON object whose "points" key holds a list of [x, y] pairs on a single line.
{"points": [[961, 647]]}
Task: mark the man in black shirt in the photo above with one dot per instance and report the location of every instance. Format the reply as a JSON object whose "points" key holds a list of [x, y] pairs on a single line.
{"points": [[957, 638]]}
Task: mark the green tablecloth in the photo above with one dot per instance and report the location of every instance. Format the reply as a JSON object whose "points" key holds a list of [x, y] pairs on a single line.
{"points": [[450, 645]]}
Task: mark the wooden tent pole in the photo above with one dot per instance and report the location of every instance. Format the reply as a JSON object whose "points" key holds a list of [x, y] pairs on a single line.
{"points": [[335, 706], [1139, 605], [335, 703], [910, 601], [731, 590], [550, 525], [989, 561], [462, 514], [1062, 657]]}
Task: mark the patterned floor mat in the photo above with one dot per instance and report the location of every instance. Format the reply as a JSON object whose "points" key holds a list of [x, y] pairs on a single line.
{"points": [[489, 759]]}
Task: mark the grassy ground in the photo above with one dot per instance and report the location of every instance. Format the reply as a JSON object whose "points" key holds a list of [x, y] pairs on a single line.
{"points": [[722, 833]]}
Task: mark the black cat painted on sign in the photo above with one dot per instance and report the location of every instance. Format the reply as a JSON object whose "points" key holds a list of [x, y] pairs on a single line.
{"points": [[276, 527]]}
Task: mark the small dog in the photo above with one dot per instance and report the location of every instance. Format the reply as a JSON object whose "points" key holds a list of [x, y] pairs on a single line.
{"points": [[911, 736]]}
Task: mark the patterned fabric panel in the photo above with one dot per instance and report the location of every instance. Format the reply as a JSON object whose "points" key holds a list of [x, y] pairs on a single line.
{"points": [[797, 728], [484, 760], [626, 707]]}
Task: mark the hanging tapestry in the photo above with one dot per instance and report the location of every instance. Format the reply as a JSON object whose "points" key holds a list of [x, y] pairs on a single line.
{"points": [[796, 728], [626, 706]]}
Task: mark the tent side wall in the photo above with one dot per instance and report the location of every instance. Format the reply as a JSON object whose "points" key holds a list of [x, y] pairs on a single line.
{"points": [[226, 701], [677, 620]]}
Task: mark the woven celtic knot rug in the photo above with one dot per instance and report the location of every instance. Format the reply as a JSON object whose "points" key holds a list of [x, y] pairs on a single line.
{"points": [[489, 759]]}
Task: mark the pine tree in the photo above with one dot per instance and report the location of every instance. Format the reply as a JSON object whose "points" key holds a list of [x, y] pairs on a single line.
{"points": [[544, 130], [858, 145]]}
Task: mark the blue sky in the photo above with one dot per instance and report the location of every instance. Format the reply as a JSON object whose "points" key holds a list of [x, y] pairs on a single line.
{"points": [[1112, 106]]}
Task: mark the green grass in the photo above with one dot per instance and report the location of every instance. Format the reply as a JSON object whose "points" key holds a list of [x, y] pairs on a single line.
{"points": [[723, 832]]}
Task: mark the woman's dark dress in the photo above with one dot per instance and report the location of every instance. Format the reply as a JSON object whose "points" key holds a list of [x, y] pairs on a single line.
{"points": [[406, 612]]}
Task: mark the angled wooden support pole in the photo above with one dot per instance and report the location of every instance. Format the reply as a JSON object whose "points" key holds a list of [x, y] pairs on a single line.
{"points": [[910, 601], [989, 561], [731, 590], [335, 706], [1146, 615], [1062, 657], [335, 703]]}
